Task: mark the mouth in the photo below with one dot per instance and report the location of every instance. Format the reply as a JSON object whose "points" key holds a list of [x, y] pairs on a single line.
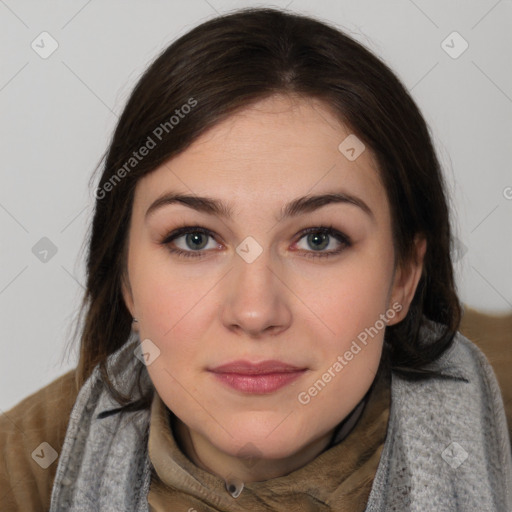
{"points": [[257, 378]]}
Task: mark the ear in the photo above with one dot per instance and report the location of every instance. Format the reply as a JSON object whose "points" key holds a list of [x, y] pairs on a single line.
{"points": [[127, 294], [407, 278]]}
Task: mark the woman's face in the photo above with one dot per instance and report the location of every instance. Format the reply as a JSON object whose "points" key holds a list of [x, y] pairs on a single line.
{"points": [[251, 286]]}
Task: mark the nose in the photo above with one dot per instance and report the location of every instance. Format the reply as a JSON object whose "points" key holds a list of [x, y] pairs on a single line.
{"points": [[257, 300]]}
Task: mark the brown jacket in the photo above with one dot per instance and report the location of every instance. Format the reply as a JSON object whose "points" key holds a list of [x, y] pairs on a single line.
{"points": [[43, 416]]}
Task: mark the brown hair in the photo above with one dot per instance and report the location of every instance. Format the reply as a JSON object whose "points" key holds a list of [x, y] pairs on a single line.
{"points": [[226, 64]]}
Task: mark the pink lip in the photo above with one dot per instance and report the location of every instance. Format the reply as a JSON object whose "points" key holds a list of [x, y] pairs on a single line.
{"points": [[257, 378]]}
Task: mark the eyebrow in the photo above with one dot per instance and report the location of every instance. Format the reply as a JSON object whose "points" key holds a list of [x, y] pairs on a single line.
{"points": [[294, 208]]}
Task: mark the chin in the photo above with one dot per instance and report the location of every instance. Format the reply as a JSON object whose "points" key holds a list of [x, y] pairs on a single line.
{"points": [[257, 440]]}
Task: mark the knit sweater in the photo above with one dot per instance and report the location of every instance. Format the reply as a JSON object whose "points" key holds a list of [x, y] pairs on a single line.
{"points": [[446, 449]]}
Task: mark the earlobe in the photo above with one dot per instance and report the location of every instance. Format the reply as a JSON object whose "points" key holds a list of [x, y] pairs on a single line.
{"points": [[407, 278]]}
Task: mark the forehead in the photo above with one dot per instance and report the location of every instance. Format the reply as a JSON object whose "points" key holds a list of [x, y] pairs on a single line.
{"points": [[271, 152]]}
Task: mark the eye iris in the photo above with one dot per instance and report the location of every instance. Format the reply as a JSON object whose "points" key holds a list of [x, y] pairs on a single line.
{"points": [[321, 238], [196, 237]]}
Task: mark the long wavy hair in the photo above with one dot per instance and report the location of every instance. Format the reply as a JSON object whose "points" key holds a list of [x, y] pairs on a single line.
{"points": [[224, 65]]}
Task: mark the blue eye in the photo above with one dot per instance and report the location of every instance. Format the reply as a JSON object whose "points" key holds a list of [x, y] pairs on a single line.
{"points": [[195, 239], [321, 237]]}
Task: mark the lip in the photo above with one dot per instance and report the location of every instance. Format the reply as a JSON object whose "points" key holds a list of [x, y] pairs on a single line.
{"points": [[257, 378]]}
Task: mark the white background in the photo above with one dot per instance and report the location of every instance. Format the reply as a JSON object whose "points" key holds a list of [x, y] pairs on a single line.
{"points": [[58, 114]]}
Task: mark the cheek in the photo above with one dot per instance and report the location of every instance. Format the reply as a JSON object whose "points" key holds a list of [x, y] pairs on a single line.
{"points": [[350, 297], [173, 318], [356, 313], [169, 301]]}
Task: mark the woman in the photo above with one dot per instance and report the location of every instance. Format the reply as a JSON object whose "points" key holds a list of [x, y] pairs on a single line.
{"points": [[270, 315]]}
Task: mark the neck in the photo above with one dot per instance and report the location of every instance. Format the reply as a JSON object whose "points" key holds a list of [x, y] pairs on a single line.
{"points": [[247, 469]]}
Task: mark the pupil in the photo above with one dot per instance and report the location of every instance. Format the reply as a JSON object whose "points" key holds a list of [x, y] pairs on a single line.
{"points": [[195, 237], [318, 237]]}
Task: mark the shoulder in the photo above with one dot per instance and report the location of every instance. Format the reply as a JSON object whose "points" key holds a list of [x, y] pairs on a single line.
{"points": [[450, 433], [463, 362], [465, 391], [492, 335], [466, 363], [31, 436]]}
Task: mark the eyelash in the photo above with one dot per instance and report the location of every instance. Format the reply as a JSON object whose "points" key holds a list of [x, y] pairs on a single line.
{"points": [[325, 230]]}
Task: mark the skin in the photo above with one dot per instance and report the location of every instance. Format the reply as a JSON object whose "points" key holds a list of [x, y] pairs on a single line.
{"points": [[284, 305]]}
